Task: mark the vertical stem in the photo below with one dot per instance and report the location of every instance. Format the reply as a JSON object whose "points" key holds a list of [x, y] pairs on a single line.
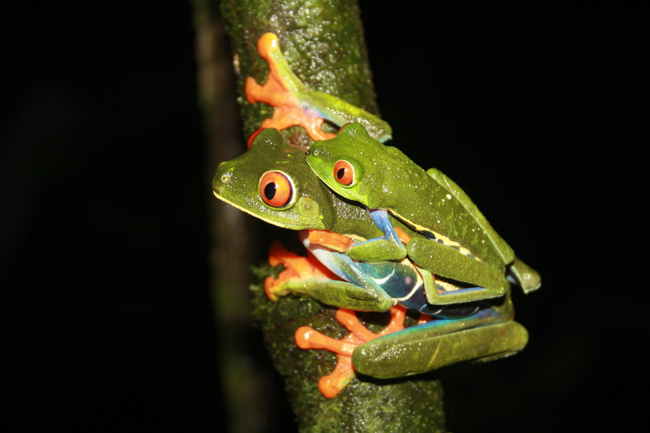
{"points": [[323, 42]]}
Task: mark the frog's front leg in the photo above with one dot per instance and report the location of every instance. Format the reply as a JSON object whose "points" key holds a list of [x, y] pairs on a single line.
{"points": [[387, 248], [445, 261], [419, 349]]}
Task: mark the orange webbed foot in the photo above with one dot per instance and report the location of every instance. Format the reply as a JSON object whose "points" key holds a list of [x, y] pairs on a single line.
{"points": [[281, 90], [331, 240], [296, 268], [308, 338], [300, 268]]}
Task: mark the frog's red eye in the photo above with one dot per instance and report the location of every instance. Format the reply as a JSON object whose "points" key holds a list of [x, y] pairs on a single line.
{"points": [[344, 126], [276, 189], [344, 173], [253, 136]]}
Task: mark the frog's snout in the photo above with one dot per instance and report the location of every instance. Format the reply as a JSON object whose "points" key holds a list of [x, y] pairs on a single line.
{"points": [[221, 178]]}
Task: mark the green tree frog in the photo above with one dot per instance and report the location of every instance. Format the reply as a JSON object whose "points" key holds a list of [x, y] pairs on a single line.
{"points": [[454, 239], [273, 182]]}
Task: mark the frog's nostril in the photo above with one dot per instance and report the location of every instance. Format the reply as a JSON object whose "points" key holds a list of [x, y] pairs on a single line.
{"points": [[225, 178]]}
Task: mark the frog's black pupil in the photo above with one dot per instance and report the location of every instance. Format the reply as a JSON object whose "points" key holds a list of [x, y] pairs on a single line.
{"points": [[269, 190], [340, 173]]}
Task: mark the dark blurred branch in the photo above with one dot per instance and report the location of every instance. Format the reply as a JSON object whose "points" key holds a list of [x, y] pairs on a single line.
{"points": [[233, 248]]}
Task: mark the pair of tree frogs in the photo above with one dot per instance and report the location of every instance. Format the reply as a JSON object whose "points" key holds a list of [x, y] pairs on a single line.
{"points": [[273, 182], [366, 249]]}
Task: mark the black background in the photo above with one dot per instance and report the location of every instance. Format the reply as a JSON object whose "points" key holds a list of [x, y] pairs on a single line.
{"points": [[534, 109]]}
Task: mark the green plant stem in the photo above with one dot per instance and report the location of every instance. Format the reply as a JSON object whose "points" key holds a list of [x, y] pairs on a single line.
{"points": [[323, 42]]}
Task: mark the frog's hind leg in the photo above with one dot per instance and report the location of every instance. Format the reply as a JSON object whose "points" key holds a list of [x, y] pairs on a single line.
{"points": [[440, 342], [308, 338], [484, 281], [526, 277]]}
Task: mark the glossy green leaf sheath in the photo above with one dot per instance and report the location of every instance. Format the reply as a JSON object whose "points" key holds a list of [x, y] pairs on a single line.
{"points": [[456, 240]]}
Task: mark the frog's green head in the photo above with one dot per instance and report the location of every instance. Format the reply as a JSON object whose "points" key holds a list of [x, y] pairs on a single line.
{"points": [[272, 182], [345, 163]]}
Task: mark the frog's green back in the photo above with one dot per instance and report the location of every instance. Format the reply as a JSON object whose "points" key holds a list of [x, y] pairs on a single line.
{"points": [[385, 178]]}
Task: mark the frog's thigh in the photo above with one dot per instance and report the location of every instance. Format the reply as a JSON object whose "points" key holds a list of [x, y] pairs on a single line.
{"points": [[506, 253], [412, 352], [448, 262]]}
